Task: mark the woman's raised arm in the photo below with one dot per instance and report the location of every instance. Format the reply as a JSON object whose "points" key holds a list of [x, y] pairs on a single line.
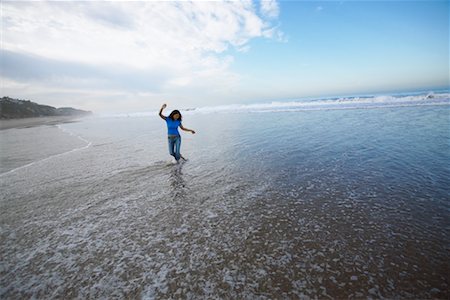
{"points": [[160, 111]]}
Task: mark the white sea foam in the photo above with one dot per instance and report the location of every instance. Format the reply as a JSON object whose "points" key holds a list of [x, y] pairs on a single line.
{"points": [[359, 102], [335, 103]]}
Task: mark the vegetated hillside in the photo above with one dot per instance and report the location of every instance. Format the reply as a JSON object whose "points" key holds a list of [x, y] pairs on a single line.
{"points": [[13, 108]]}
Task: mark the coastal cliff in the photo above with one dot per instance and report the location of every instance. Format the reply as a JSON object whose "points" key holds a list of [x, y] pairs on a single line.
{"points": [[11, 108]]}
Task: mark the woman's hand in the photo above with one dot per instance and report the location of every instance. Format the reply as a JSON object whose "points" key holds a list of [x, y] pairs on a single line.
{"points": [[163, 106], [193, 132]]}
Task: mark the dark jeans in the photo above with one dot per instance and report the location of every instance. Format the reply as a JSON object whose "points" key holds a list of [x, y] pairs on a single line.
{"points": [[174, 146]]}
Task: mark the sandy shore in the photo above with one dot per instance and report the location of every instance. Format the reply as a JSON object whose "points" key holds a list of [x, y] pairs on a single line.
{"points": [[30, 122]]}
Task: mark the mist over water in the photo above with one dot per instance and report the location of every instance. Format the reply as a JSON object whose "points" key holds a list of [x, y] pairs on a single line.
{"points": [[282, 204]]}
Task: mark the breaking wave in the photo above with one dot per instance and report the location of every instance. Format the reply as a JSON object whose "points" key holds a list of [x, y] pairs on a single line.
{"points": [[363, 102], [335, 103]]}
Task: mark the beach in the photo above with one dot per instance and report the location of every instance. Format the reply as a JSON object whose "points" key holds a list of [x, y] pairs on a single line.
{"points": [[343, 199], [30, 122]]}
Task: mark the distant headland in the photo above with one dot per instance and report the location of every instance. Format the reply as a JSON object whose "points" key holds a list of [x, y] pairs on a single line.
{"points": [[11, 108]]}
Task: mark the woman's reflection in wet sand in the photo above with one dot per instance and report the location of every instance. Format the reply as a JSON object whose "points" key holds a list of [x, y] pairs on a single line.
{"points": [[177, 182]]}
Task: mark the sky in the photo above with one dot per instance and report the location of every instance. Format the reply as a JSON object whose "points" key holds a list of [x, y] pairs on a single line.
{"points": [[123, 56]]}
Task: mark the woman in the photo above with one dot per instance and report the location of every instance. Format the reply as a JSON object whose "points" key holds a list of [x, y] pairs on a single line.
{"points": [[173, 121]]}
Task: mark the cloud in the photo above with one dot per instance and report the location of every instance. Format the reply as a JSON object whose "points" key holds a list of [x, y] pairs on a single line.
{"points": [[24, 67], [270, 8], [109, 14], [129, 47]]}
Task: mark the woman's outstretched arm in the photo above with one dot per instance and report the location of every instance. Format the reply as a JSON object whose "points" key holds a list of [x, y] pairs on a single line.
{"points": [[160, 111], [185, 129]]}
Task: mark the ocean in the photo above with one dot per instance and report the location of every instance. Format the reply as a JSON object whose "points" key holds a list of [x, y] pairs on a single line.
{"points": [[323, 198]]}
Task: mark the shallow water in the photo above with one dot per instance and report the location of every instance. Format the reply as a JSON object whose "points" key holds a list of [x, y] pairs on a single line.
{"points": [[329, 203]]}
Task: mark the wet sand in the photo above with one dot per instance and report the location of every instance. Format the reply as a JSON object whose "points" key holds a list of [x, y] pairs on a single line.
{"points": [[38, 121], [332, 204]]}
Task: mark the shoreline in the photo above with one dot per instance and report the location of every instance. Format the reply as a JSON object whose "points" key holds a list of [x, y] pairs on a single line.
{"points": [[35, 121]]}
